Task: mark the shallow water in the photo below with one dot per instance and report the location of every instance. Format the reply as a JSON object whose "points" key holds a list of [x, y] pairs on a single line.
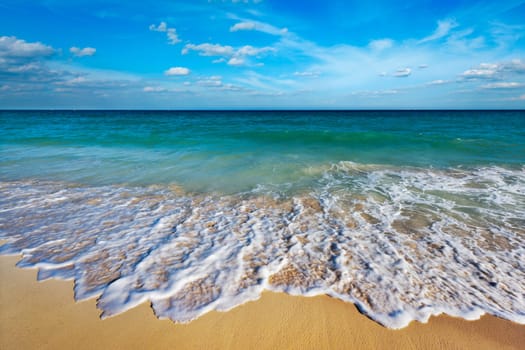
{"points": [[406, 214]]}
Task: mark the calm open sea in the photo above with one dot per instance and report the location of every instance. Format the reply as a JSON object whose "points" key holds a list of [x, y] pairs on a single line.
{"points": [[404, 213]]}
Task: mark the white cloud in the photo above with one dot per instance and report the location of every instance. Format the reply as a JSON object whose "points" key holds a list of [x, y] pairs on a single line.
{"points": [[375, 93], [176, 71], [437, 82], [171, 33], [154, 89], [381, 44], [309, 74], [62, 90], [77, 80], [483, 71], [162, 27], [213, 81], [260, 27], [443, 29], [10, 46], [249, 50], [514, 66], [236, 61], [509, 85], [24, 68], [207, 49], [87, 51], [173, 38], [231, 87], [242, 26], [234, 57], [402, 73], [495, 71], [84, 80]]}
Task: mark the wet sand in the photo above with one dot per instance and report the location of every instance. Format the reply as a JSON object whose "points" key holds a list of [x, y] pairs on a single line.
{"points": [[43, 315]]}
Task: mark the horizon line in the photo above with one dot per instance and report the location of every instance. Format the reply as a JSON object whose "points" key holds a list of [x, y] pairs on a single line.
{"points": [[257, 109]]}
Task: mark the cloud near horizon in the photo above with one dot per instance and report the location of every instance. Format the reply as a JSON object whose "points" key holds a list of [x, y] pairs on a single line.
{"points": [[11, 46], [173, 71]]}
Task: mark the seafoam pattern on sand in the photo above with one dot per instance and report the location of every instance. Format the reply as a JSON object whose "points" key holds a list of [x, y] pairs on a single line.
{"points": [[401, 243]]}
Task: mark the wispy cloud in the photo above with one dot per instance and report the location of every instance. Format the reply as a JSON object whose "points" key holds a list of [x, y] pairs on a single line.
{"points": [[403, 73], [154, 89], [465, 41], [519, 98], [211, 81], [437, 82], [86, 51], [506, 85], [308, 74], [215, 82], [258, 26], [207, 49], [249, 50], [242, 26], [381, 44], [444, 27], [261, 82], [375, 93], [505, 35]]}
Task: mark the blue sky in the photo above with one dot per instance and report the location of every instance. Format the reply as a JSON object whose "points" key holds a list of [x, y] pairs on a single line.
{"points": [[262, 54]]}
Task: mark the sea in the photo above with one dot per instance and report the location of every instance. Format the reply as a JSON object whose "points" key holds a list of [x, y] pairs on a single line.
{"points": [[406, 214]]}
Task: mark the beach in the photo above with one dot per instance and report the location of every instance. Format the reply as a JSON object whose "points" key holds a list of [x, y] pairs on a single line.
{"points": [[262, 174], [44, 315], [263, 229]]}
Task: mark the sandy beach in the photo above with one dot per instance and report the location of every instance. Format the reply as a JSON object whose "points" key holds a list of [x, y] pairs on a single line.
{"points": [[44, 315]]}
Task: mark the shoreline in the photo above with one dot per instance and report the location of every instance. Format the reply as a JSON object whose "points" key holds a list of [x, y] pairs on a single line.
{"points": [[45, 315]]}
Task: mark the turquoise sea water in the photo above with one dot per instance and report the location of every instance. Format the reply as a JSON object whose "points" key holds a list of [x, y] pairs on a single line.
{"points": [[400, 212], [232, 151]]}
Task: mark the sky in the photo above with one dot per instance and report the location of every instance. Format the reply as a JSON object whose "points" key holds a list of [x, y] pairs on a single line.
{"points": [[267, 54]]}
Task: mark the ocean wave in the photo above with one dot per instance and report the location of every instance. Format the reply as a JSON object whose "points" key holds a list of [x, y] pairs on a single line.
{"points": [[401, 243]]}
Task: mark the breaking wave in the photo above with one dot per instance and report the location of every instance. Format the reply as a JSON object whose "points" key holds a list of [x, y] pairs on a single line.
{"points": [[401, 243]]}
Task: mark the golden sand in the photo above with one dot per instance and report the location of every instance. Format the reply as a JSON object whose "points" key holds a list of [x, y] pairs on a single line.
{"points": [[43, 315]]}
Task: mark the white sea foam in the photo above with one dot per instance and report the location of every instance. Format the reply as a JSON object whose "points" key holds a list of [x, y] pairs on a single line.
{"points": [[401, 243]]}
